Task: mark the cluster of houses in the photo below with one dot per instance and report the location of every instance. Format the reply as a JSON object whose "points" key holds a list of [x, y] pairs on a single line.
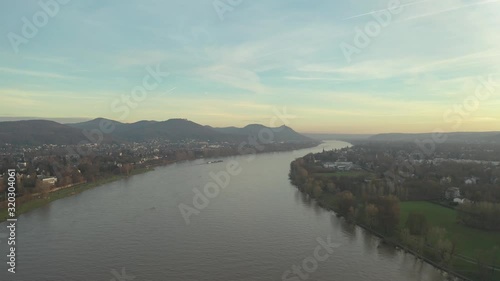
{"points": [[452, 194], [48, 181]]}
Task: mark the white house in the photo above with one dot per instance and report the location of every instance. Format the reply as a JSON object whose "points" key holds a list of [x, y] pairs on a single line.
{"points": [[471, 180], [452, 193], [445, 180], [328, 165], [50, 180], [344, 166], [341, 166]]}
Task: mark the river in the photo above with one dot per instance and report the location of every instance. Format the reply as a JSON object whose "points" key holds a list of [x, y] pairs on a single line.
{"points": [[256, 228]]}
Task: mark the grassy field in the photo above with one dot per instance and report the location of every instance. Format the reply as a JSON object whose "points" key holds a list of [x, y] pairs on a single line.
{"points": [[56, 195], [468, 240]]}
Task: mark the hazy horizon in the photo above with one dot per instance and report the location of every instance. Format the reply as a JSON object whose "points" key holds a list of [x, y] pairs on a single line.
{"points": [[350, 67], [80, 120]]}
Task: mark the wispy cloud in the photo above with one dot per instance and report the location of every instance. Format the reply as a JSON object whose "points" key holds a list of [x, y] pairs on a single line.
{"points": [[451, 9], [36, 73], [381, 10], [227, 72], [398, 67]]}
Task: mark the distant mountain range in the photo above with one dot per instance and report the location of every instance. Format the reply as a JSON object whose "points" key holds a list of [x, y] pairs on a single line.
{"points": [[36, 132]]}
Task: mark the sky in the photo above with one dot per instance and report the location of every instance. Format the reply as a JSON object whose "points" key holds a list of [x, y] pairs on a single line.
{"points": [[351, 66]]}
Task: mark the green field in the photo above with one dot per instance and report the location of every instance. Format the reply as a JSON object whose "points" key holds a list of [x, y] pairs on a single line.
{"points": [[468, 240]]}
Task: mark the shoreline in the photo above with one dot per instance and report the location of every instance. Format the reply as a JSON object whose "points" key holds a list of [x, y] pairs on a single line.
{"points": [[35, 203], [393, 243]]}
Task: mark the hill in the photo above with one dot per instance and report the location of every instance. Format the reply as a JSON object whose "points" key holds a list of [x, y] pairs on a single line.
{"points": [[173, 130], [38, 132], [279, 134]]}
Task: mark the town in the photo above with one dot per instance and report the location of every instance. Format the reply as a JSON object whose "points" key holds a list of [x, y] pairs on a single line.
{"points": [[43, 169]]}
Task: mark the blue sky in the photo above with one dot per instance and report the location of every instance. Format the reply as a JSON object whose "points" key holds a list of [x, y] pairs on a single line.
{"points": [[236, 62]]}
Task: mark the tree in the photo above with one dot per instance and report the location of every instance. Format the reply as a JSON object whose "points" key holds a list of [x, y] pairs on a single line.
{"points": [[3, 189], [331, 188], [346, 204], [317, 190], [3, 186], [441, 249], [389, 212], [483, 215], [417, 223], [371, 215], [126, 169], [42, 188], [76, 176]]}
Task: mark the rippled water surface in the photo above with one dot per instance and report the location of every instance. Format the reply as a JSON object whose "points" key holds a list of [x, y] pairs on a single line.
{"points": [[257, 228]]}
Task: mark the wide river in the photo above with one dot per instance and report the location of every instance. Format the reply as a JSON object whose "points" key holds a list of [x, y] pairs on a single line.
{"points": [[256, 228]]}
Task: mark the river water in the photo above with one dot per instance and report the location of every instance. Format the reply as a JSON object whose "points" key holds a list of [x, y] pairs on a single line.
{"points": [[256, 228]]}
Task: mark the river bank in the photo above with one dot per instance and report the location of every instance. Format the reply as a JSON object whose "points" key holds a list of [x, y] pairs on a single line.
{"points": [[38, 201], [390, 241], [336, 202], [140, 216]]}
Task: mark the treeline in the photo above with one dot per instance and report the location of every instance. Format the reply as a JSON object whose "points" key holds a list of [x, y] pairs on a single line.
{"points": [[482, 215], [403, 170], [377, 211], [430, 242]]}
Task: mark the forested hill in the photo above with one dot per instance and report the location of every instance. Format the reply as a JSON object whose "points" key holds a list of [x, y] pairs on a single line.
{"points": [[37, 132]]}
